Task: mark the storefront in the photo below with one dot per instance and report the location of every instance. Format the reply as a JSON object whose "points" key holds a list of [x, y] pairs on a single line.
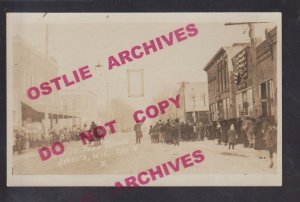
{"points": [[244, 103], [220, 110]]}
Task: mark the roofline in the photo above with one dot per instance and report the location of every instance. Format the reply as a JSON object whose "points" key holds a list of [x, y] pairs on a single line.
{"points": [[225, 48], [213, 58]]}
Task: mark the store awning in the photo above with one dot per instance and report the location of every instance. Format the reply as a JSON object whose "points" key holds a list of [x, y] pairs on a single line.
{"points": [[51, 110]]}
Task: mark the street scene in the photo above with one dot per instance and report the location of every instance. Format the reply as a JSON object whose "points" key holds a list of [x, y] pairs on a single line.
{"points": [[121, 149], [166, 89]]}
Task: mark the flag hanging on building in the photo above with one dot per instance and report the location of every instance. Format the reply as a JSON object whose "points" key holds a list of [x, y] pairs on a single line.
{"points": [[240, 66]]}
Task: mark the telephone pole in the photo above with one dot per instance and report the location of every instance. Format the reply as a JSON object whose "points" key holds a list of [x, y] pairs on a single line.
{"points": [[182, 84], [251, 33]]}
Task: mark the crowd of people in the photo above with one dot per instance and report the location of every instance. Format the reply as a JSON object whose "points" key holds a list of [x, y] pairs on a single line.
{"points": [[259, 134], [28, 138]]}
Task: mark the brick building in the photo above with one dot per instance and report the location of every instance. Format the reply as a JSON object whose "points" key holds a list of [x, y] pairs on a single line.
{"points": [[237, 87], [221, 83], [266, 76], [243, 83]]}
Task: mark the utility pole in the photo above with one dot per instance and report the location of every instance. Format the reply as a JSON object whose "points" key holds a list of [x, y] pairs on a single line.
{"points": [[48, 98], [193, 97], [251, 33], [182, 84]]}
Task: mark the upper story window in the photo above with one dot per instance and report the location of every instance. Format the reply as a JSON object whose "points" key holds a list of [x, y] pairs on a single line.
{"points": [[223, 81]]}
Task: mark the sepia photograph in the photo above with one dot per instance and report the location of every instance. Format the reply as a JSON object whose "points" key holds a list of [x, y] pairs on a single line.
{"points": [[144, 99]]}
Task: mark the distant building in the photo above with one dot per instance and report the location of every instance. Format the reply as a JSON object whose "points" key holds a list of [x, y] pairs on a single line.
{"points": [[221, 88], [82, 104], [194, 104]]}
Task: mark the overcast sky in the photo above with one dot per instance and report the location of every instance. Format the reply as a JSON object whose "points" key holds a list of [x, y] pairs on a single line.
{"points": [[89, 39]]}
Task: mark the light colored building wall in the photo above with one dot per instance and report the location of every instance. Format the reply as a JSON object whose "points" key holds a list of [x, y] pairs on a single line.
{"points": [[80, 104], [30, 69]]}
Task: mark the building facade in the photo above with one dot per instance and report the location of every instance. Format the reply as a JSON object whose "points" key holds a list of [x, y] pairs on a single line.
{"points": [[221, 86], [193, 102], [266, 76], [30, 68], [243, 83], [81, 105]]}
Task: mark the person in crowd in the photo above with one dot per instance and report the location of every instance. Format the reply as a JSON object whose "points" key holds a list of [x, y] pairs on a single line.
{"points": [[244, 135], [18, 137], [177, 132], [238, 130], [224, 129], [202, 131], [92, 127], [212, 130], [156, 133], [138, 132], [271, 141], [232, 137], [194, 132], [248, 127], [183, 131], [198, 128], [96, 138], [259, 143], [161, 131], [208, 130], [26, 136], [218, 133], [151, 134], [169, 138]]}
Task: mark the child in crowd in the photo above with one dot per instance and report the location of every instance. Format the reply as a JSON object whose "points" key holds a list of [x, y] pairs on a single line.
{"points": [[232, 136]]}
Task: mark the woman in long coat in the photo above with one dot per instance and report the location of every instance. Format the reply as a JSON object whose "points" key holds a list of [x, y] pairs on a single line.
{"points": [[248, 127], [224, 136], [138, 132], [218, 132], [271, 141], [259, 144]]}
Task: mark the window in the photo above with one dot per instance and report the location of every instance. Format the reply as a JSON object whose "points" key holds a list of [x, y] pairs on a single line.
{"points": [[227, 104], [266, 95], [266, 90], [223, 75], [225, 109]]}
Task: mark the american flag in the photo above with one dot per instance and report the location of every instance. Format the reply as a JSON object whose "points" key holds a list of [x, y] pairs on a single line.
{"points": [[240, 66]]}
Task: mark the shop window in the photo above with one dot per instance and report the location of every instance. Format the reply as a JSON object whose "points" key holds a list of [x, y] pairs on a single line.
{"points": [[266, 95], [245, 102]]}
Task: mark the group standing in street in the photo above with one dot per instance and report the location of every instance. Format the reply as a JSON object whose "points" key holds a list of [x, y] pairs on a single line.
{"points": [[34, 137], [258, 134]]}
